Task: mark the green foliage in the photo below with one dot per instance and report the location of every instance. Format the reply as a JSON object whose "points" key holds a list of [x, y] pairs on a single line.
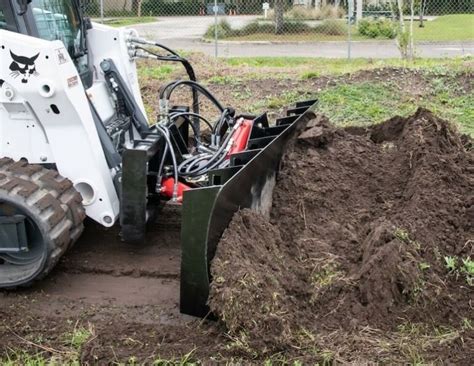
{"points": [[378, 28], [332, 27], [224, 30], [310, 75], [328, 27], [157, 72], [450, 263], [468, 269], [402, 235], [459, 267], [78, 337], [255, 27]]}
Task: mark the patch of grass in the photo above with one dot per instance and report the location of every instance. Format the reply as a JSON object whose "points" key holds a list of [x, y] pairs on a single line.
{"points": [[362, 104], [124, 22], [456, 27], [450, 263], [424, 266], [310, 75], [325, 276], [225, 80], [342, 66], [279, 101], [368, 103], [14, 358], [460, 267], [402, 235], [158, 72], [78, 337], [455, 108], [415, 339], [352, 103]]}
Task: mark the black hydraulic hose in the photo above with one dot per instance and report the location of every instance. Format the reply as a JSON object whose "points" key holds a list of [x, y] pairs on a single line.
{"points": [[187, 66], [186, 167], [166, 136], [218, 126], [162, 164], [168, 90], [174, 116]]}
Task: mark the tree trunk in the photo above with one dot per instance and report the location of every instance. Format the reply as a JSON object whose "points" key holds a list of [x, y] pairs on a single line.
{"points": [[279, 16], [359, 7], [137, 7], [411, 55]]}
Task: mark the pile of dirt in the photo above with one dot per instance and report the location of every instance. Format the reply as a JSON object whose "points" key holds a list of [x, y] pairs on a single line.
{"points": [[368, 251]]}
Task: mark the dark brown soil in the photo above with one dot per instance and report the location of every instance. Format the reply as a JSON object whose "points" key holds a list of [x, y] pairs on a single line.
{"points": [[351, 265], [126, 296]]}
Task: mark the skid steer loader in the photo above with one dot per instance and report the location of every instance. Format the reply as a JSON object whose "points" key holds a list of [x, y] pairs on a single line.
{"points": [[75, 142]]}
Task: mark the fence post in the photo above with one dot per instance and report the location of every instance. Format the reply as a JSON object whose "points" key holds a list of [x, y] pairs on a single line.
{"points": [[350, 14], [102, 11], [216, 34]]}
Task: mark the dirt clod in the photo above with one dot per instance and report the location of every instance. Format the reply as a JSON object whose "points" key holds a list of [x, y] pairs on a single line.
{"points": [[352, 265]]}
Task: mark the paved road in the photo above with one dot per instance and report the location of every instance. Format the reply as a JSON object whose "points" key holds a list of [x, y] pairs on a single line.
{"points": [[185, 33]]}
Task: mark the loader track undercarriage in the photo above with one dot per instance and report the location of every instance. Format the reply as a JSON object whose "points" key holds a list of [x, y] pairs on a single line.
{"points": [[41, 216]]}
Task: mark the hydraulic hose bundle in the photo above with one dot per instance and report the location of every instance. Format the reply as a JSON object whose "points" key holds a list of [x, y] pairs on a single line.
{"points": [[206, 157]]}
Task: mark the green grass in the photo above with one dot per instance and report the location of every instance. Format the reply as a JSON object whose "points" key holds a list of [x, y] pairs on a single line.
{"points": [[367, 103], [342, 66], [124, 22], [362, 104], [457, 27], [157, 72]]}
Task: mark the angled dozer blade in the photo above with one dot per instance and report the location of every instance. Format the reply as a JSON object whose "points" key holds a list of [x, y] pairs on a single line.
{"points": [[247, 183]]}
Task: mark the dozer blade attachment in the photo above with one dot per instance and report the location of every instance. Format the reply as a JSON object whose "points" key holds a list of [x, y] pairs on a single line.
{"points": [[247, 183]]}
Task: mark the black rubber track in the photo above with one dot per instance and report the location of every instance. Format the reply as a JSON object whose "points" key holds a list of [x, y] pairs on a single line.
{"points": [[53, 203]]}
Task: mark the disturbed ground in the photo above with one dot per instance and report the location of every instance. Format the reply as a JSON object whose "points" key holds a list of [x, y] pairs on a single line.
{"points": [[368, 252], [110, 302]]}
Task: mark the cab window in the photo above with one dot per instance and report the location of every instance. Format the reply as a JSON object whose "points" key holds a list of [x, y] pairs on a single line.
{"points": [[7, 21], [58, 20]]}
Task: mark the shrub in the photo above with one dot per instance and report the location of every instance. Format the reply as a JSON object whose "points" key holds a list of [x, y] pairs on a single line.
{"points": [[303, 13], [383, 28], [326, 12], [224, 30], [296, 26], [331, 27], [332, 12]]}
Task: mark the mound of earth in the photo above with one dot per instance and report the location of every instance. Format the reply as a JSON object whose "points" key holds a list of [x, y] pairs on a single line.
{"points": [[368, 253]]}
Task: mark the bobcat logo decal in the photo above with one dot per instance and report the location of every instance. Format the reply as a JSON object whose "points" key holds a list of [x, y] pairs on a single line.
{"points": [[23, 66]]}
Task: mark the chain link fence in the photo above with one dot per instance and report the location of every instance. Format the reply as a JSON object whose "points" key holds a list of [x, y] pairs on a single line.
{"points": [[334, 28]]}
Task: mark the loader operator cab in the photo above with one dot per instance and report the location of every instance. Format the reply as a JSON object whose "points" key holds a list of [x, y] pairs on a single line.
{"points": [[51, 20]]}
